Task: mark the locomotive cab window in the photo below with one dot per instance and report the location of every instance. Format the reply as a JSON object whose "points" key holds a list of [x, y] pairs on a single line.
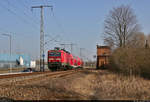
{"points": [[55, 54], [51, 54]]}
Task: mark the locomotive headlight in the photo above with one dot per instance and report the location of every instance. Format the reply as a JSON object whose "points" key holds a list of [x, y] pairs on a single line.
{"points": [[58, 58], [51, 58]]}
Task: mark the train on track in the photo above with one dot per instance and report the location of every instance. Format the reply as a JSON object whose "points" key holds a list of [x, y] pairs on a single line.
{"points": [[60, 59]]}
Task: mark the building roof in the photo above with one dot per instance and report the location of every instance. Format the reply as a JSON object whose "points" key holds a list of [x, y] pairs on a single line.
{"points": [[98, 46]]}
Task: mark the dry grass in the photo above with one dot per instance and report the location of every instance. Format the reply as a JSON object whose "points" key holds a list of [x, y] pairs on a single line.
{"points": [[112, 86], [101, 84]]}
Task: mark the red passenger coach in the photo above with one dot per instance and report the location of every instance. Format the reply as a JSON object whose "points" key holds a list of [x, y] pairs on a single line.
{"points": [[79, 62], [62, 60], [71, 60]]}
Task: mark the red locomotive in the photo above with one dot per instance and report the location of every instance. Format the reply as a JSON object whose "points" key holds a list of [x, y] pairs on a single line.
{"points": [[60, 59]]}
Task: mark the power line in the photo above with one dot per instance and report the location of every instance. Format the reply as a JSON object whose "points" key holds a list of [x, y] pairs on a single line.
{"points": [[14, 13], [47, 1], [71, 46], [58, 22], [23, 4], [24, 13], [44, 2], [27, 8], [52, 39]]}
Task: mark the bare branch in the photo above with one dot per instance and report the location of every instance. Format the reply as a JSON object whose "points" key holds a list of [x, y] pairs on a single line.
{"points": [[120, 25]]}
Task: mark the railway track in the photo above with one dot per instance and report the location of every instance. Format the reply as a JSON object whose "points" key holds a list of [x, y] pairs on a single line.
{"points": [[33, 77], [11, 75], [36, 86]]}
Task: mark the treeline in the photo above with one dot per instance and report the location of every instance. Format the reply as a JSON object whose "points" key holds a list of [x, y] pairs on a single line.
{"points": [[130, 47]]}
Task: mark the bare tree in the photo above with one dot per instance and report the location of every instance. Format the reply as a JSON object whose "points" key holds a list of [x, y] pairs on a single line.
{"points": [[119, 26], [138, 40]]}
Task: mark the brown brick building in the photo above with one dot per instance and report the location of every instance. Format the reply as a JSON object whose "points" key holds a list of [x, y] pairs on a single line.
{"points": [[103, 53]]}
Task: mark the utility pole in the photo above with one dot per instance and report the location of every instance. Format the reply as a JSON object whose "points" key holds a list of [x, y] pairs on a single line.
{"points": [[81, 49], [42, 55], [71, 46], [10, 39]]}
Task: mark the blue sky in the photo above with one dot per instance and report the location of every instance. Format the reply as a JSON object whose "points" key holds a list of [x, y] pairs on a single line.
{"points": [[76, 21]]}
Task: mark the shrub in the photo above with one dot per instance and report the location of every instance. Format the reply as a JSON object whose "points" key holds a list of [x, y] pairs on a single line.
{"points": [[131, 61]]}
